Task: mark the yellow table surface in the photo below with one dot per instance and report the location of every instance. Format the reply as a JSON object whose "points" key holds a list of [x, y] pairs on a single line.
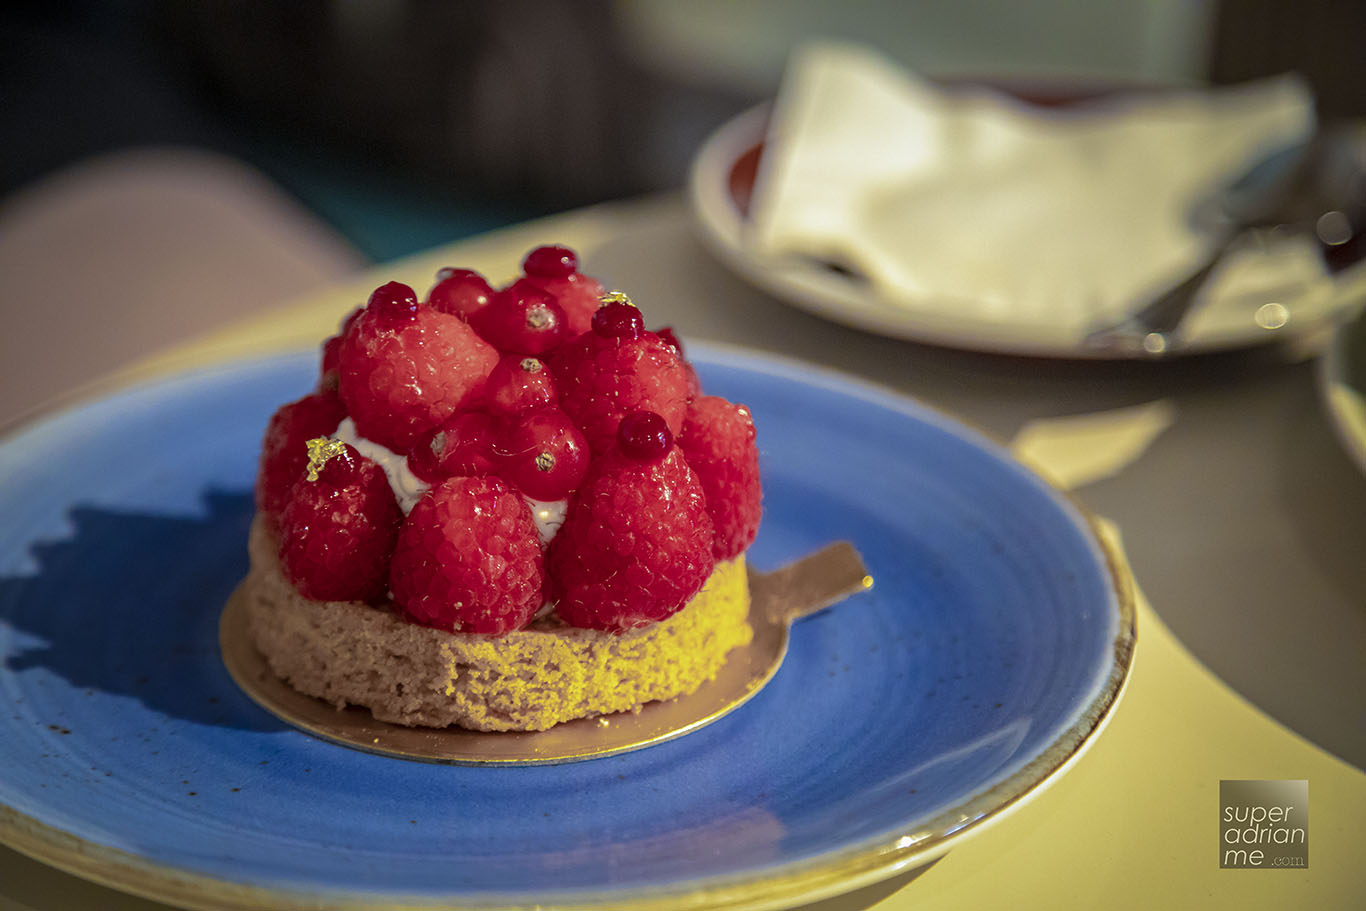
{"points": [[1132, 824]]}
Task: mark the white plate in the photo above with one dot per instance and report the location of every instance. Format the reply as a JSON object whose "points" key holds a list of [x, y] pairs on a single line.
{"points": [[722, 178]]}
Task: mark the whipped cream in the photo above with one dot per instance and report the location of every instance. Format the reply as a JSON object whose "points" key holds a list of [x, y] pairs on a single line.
{"points": [[407, 486], [549, 516]]}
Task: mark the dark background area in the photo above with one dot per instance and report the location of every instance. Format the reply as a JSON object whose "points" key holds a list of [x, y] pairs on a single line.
{"points": [[409, 124], [403, 131]]}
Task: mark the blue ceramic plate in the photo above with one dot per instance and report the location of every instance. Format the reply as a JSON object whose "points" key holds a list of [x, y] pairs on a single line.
{"points": [[987, 655]]}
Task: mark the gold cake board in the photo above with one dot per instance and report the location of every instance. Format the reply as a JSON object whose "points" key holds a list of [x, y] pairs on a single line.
{"points": [[777, 599]]}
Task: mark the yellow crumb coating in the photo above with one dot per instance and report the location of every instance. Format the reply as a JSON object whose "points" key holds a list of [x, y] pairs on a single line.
{"points": [[350, 653]]}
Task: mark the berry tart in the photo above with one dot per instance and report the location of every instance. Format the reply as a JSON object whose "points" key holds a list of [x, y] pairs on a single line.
{"points": [[502, 509]]}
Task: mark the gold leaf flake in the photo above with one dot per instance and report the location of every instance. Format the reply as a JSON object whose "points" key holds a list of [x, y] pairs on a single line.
{"points": [[616, 297], [320, 451]]}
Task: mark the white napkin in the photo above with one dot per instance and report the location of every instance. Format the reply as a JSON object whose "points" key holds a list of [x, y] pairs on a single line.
{"points": [[969, 202]]}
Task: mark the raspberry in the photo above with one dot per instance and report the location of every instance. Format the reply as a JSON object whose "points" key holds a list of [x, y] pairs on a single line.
{"points": [[462, 445], [669, 335], [602, 378], [718, 441], [328, 377], [636, 544], [694, 381], [338, 529], [468, 559], [406, 368], [522, 319], [519, 385], [331, 367], [545, 456], [284, 451], [555, 269], [460, 292]]}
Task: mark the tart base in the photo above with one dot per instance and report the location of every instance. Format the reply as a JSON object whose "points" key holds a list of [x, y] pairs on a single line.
{"points": [[348, 653]]}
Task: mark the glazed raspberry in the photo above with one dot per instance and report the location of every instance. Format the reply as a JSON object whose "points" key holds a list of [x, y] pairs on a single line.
{"points": [[719, 442], [460, 292], [671, 337], [694, 381], [522, 319], [405, 369], [545, 456], [602, 379], [284, 451], [636, 544], [462, 445], [518, 385], [580, 295], [468, 559], [551, 261], [338, 529], [329, 375]]}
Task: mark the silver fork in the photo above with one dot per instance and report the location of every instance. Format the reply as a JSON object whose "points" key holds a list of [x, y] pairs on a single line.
{"points": [[1154, 329], [1284, 192], [1150, 329]]}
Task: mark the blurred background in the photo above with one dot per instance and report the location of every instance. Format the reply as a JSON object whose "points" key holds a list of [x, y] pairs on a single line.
{"points": [[394, 126], [408, 124]]}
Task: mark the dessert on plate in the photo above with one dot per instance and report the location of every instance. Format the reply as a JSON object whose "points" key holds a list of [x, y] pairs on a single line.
{"points": [[502, 509]]}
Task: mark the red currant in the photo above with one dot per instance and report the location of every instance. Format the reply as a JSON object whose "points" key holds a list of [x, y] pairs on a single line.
{"points": [[462, 292], [545, 456], [618, 320], [580, 295], [519, 384], [462, 446], [551, 261], [644, 436], [522, 319], [394, 303]]}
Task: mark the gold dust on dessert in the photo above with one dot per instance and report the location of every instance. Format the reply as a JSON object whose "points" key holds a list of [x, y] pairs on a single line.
{"points": [[320, 450], [616, 297]]}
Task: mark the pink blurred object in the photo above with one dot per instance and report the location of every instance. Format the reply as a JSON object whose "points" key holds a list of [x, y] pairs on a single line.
{"points": [[122, 255]]}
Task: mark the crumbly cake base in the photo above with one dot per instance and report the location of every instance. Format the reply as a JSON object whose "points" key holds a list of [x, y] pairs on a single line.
{"points": [[349, 653]]}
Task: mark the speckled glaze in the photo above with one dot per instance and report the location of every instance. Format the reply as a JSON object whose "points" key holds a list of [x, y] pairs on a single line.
{"points": [[995, 639]]}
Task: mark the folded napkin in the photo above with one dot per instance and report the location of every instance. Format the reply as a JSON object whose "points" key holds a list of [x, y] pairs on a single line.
{"points": [[966, 201]]}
